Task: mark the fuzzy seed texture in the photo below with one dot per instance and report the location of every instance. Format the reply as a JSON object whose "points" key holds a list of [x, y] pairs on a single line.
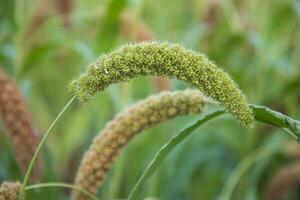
{"points": [[18, 123], [166, 60], [106, 146], [9, 191]]}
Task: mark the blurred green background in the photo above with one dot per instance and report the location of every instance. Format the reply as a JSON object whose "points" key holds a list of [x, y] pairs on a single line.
{"points": [[45, 43]]}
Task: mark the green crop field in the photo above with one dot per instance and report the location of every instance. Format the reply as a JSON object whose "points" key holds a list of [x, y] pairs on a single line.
{"points": [[149, 99]]}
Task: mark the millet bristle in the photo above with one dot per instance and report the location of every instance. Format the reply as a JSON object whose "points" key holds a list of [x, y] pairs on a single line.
{"points": [[10, 191], [106, 146], [18, 123]]}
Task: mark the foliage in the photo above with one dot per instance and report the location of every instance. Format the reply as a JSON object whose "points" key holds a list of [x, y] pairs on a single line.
{"points": [[254, 41]]}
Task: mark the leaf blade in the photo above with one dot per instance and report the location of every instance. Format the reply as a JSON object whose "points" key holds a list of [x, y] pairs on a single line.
{"points": [[167, 148], [268, 116]]}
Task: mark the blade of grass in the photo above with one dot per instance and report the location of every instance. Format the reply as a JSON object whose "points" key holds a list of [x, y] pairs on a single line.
{"points": [[277, 119], [38, 149], [61, 185], [166, 149]]}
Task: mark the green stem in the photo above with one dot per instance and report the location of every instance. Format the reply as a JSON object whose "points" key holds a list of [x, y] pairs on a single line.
{"points": [[62, 185], [22, 193]]}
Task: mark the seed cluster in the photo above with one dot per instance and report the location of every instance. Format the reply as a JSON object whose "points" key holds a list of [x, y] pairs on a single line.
{"points": [[137, 30], [106, 146], [17, 120], [166, 60], [9, 191]]}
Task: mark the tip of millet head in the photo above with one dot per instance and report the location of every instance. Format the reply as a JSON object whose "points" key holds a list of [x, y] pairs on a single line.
{"points": [[246, 118]]}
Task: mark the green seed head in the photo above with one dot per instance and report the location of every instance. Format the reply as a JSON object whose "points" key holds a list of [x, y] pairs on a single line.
{"points": [[117, 133], [167, 60], [9, 191]]}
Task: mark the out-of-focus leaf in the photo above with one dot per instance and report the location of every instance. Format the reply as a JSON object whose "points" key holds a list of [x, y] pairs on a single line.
{"points": [[7, 29], [260, 154], [36, 55], [108, 33], [292, 86]]}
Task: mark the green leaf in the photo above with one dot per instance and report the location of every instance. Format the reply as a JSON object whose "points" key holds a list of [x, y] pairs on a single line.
{"points": [[167, 148], [277, 119]]}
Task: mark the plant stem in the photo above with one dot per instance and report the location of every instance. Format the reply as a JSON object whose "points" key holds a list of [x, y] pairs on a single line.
{"points": [[40, 146], [63, 185]]}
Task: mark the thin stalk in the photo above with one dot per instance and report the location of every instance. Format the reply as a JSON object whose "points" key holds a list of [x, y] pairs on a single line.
{"points": [[62, 185], [34, 158]]}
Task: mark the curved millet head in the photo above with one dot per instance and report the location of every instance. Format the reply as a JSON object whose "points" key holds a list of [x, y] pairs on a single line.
{"points": [[166, 60], [106, 146]]}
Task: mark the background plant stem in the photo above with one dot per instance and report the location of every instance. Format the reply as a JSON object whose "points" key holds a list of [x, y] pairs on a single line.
{"points": [[40, 147]]}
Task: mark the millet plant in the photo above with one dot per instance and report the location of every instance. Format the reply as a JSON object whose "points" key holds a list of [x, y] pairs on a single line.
{"points": [[155, 59]]}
